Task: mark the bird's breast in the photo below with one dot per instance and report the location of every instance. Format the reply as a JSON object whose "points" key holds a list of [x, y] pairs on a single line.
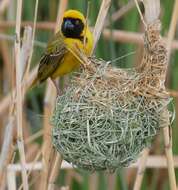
{"points": [[69, 63]]}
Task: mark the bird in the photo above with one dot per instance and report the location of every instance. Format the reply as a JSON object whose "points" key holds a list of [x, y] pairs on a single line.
{"points": [[59, 57]]}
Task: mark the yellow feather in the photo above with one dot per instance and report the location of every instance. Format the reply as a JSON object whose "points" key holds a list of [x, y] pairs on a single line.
{"points": [[59, 58], [74, 14], [70, 61]]}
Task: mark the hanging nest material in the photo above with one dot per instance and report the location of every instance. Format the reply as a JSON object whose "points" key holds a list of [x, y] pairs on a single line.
{"points": [[107, 116]]}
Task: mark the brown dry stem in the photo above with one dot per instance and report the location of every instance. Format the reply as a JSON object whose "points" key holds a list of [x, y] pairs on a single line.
{"points": [[19, 103], [50, 96]]}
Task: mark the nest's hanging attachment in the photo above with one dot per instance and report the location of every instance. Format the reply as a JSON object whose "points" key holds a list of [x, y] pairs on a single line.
{"points": [[108, 116]]}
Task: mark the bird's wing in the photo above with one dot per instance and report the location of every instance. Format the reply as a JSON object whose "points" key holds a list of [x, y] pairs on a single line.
{"points": [[52, 58]]}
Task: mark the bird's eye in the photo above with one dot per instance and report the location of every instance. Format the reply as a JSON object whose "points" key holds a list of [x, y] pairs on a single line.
{"points": [[77, 22]]}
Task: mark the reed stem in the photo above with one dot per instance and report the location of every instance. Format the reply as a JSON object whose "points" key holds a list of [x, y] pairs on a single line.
{"points": [[19, 103]]}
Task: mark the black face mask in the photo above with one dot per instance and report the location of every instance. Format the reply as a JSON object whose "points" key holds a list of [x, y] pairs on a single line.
{"points": [[72, 27]]}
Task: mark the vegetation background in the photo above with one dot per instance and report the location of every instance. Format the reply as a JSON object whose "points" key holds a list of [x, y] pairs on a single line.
{"points": [[109, 48]]}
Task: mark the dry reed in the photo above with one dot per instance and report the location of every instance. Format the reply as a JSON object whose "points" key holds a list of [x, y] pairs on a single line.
{"points": [[19, 103], [50, 96], [141, 169], [118, 36], [100, 21]]}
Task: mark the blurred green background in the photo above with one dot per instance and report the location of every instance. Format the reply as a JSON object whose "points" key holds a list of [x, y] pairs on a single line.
{"points": [[108, 49]]}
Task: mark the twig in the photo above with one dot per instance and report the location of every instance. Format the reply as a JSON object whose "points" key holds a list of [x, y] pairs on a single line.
{"points": [[153, 162], [12, 39], [172, 29], [38, 166], [11, 182], [156, 162], [130, 37], [33, 38], [8, 135], [47, 150], [167, 131], [100, 21], [171, 34], [54, 171], [25, 49], [6, 143], [49, 104], [62, 7], [140, 13], [19, 103], [29, 166], [141, 169], [40, 25], [152, 10], [33, 137], [93, 181], [64, 188], [168, 149], [173, 93], [33, 165]]}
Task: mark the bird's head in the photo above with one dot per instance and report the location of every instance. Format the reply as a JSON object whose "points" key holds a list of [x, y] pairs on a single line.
{"points": [[73, 24]]}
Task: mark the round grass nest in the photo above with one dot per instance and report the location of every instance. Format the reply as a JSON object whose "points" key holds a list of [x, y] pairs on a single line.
{"points": [[107, 116]]}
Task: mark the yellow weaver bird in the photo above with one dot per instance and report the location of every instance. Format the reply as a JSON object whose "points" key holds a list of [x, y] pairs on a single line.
{"points": [[59, 57]]}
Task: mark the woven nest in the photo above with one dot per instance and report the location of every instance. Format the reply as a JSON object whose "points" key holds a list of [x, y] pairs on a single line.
{"points": [[107, 116]]}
